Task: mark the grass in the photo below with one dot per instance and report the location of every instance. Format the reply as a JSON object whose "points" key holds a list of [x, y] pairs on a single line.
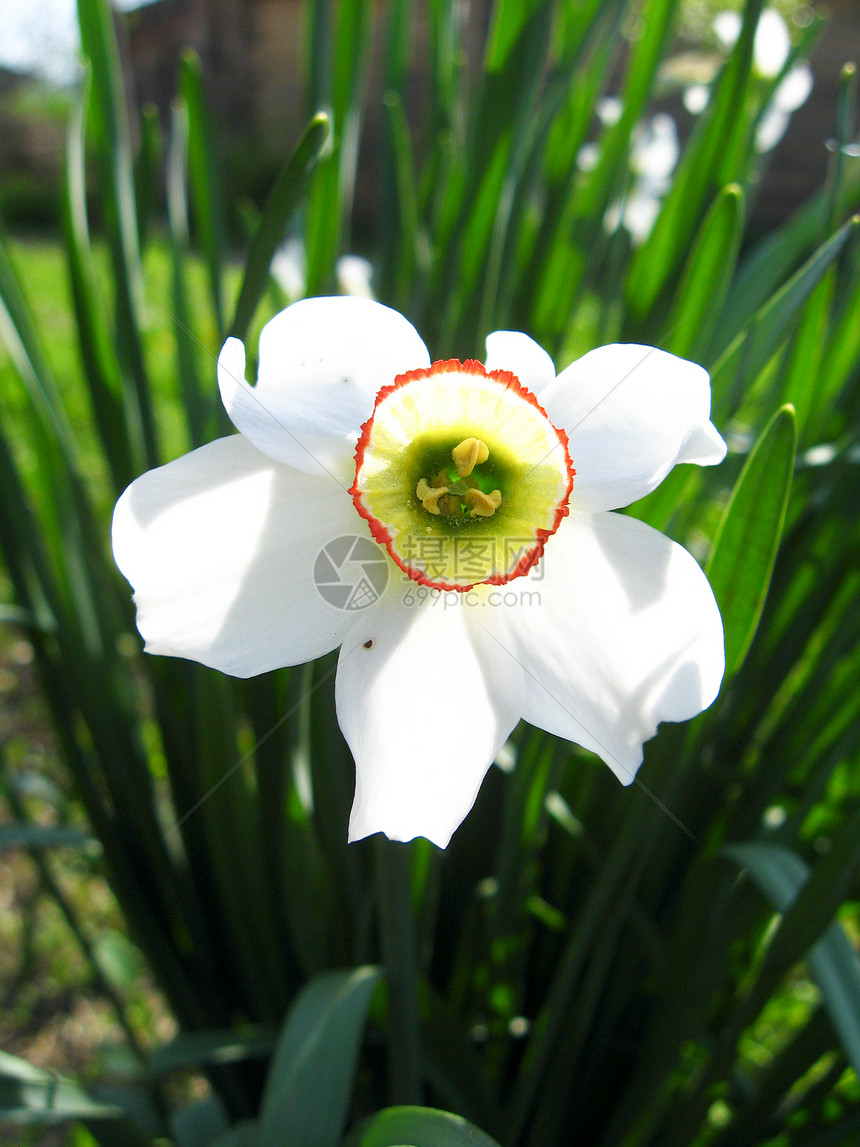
{"points": [[51, 1012], [40, 263]]}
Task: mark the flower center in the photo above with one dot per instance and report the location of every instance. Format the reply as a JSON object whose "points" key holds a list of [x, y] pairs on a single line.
{"points": [[461, 475], [459, 494]]}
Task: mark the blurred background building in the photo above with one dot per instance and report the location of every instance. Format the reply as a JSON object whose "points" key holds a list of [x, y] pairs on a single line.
{"points": [[252, 52]]}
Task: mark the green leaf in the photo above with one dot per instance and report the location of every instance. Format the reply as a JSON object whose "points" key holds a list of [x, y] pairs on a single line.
{"points": [[840, 352], [418, 1127], [698, 176], [833, 964], [340, 62], [399, 223], [741, 362], [509, 19], [196, 1049], [244, 1134], [198, 1124], [283, 200], [777, 256], [40, 836], [147, 171], [579, 233], [204, 178], [748, 536], [657, 24], [111, 140], [101, 365], [310, 1082], [706, 276], [195, 401], [802, 382], [30, 1095]]}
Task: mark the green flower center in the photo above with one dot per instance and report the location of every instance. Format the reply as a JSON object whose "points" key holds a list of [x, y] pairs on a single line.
{"points": [[465, 487]]}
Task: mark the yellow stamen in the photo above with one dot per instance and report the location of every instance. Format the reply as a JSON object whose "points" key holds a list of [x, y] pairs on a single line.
{"points": [[429, 496], [469, 454], [481, 505]]}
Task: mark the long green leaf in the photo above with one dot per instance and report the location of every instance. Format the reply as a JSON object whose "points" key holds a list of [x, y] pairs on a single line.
{"points": [[398, 1126], [580, 231], [42, 836], [706, 277], [696, 180], [310, 1082], [284, 198], [776, 257], [196, 406], [204, 179], [30, 1095], [341, 68], [802, 381], [199, 1124], [111, 140], [244, 1134], [781, 874], [121, 438], [192, 1049], [749, 353], [745, 547]]}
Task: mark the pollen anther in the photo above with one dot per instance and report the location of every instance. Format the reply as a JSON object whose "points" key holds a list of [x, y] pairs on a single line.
{"points": [[481, 505], [470, 453], [429, 496]]}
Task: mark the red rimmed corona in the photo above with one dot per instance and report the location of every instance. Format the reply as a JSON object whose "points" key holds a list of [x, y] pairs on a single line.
{"points": [[461, 475]]}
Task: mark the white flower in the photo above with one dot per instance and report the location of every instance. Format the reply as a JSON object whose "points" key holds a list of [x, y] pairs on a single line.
{"points": [[654, 153], [695, 98], [288, 268], [655, 150], [609, 110], [790, 94], [463, 475], [353, 273]]}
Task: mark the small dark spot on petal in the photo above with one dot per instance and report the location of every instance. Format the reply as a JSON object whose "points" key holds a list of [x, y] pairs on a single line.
{"points": [[368, 643]]}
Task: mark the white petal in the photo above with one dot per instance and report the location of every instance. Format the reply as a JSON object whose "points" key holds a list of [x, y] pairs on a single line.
{"points": [[322, 362], [516, 352], [795, 89], [587, 157], [640, 212], [772, 43], [425, 707], [354, 275], [220, 548], [727, 26], [626, 634], [656, 148], [696, 98], [771, 128], [631, 413], [288, 268], [609, 110]]}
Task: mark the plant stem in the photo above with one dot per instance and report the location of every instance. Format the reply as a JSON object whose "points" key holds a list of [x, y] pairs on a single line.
{"points": [[397, 934]]}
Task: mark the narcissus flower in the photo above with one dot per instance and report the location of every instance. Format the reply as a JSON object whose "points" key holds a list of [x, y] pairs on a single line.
{"points": [[447, 525]]}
